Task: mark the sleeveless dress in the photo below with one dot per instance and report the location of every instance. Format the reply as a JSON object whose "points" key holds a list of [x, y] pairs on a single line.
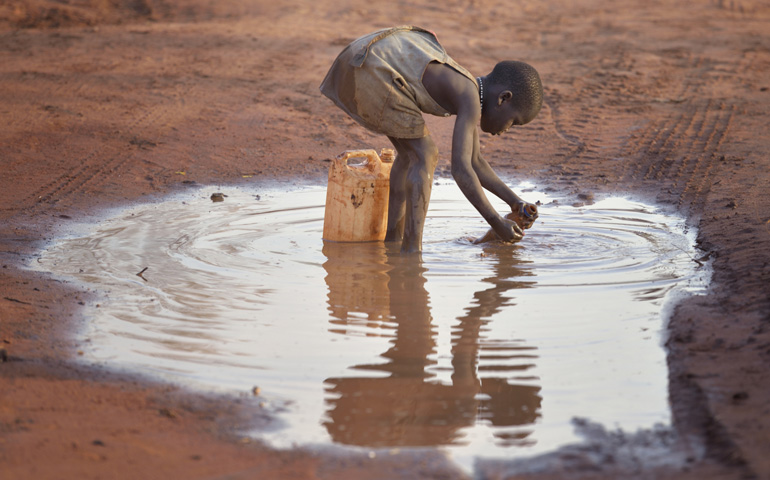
{"points": [[377, 80]]}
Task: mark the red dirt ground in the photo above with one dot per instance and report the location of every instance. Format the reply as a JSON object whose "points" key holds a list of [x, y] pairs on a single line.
{"points": [[104, 103]]}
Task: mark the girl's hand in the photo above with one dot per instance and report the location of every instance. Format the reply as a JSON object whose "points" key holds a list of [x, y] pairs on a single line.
{"points": [[524, 214], [508, 230]]}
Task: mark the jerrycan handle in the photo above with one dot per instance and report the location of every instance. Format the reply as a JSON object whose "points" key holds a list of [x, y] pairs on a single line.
{"points": [[372, 164]]}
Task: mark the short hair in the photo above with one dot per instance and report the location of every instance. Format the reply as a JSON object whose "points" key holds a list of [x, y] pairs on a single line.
{"points": [[523, 80]]}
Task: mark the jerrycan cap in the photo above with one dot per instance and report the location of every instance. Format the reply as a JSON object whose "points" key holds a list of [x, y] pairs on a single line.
{"points": [[387, 155]]}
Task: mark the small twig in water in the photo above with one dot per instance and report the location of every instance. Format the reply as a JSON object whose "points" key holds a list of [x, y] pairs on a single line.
{"points": [[16, 301], [702, 259], [140, 273], [699, 260]]}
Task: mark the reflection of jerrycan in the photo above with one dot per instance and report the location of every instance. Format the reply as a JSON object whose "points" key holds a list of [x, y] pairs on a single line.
{"points": [[357, 279], [357, 197]]}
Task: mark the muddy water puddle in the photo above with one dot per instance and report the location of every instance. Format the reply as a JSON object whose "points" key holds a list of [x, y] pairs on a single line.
{"points": [[487, 350]]}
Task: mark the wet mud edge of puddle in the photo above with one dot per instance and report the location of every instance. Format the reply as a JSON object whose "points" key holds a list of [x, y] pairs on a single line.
{"points": [[489, 350]]}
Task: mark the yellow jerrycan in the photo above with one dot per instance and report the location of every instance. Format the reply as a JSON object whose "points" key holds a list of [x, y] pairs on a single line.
{"points": [[357, 196]]}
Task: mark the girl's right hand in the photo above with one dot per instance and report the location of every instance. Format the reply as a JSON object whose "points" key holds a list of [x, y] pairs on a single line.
{"points": [[508, 230]]}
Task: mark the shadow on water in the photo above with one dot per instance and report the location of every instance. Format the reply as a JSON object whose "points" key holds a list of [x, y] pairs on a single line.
{"points": [[374, 284]]}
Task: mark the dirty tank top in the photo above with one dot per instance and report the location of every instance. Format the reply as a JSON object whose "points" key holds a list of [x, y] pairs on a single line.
{"points": [[377, 80]]}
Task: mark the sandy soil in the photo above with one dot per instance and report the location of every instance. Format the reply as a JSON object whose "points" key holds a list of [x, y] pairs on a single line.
{"points": [[105, 103]]}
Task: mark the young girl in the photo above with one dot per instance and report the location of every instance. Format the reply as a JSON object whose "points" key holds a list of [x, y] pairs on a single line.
{"points": [[386, 80]]}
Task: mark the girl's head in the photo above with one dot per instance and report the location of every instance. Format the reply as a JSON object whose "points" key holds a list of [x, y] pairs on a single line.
{"points": [[513, 95]]}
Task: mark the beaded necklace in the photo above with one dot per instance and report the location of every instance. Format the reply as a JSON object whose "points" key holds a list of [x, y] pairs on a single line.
{"points": [[481, 91]]}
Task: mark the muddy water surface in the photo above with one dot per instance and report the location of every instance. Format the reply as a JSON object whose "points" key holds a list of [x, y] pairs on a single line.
{"points": [[481, 350]]}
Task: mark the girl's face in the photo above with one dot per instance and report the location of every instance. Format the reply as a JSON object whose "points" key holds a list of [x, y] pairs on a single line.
{"points": [[500, 115]]}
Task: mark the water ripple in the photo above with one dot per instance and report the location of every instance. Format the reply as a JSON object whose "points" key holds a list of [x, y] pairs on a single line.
{"points": [[487, 349]]}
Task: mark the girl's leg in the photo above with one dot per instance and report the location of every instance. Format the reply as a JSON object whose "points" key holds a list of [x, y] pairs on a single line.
{"points": [[413, 184], [397, 195]]}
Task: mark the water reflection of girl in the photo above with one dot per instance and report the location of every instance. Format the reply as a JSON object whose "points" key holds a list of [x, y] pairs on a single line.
{"points": [[406, 408]]}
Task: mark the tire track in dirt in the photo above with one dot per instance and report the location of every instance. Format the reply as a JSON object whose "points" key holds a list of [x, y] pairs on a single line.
{"points": [[60, 90], [592, 135], [52, 108], [681, 152], [704, 166], [103, 161], [678, 151]]}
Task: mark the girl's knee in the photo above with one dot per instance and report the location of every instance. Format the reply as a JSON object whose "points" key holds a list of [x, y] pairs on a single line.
{"points": [[430, 151], [420, 153], [432, 158]]}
